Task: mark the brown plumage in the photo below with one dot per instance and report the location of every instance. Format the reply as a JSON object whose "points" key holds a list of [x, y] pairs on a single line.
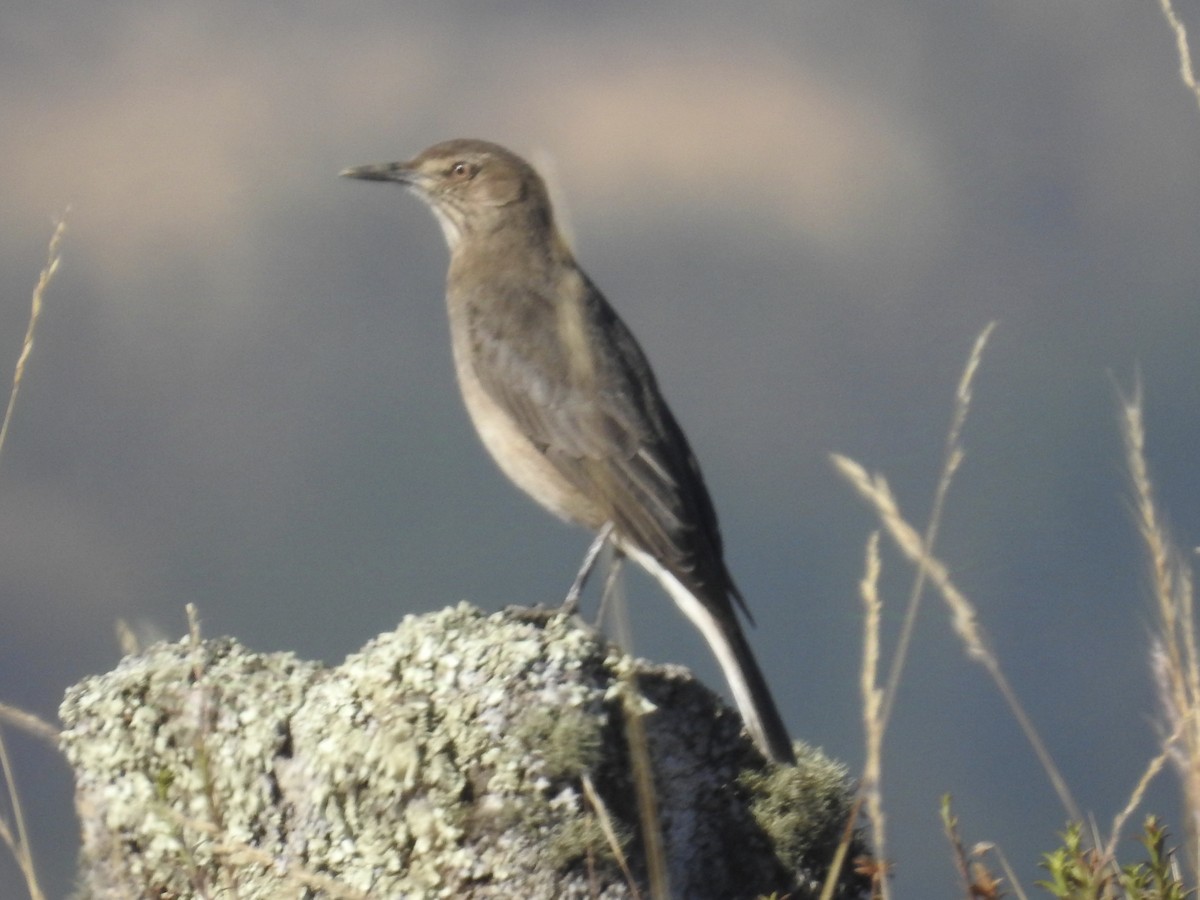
{"points": [[565, 401]]}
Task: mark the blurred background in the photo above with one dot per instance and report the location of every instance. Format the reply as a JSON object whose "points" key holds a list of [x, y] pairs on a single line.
{"points": [[242, 396]]}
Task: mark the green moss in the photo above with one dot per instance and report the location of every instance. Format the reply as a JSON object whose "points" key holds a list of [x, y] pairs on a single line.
{"points": [[567, 740], [803, 810]]}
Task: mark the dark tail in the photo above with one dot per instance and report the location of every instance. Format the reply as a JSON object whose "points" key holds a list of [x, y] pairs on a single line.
{"points": [[719, 625]]}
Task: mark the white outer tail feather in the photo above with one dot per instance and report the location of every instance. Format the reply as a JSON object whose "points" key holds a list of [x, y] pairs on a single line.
{"points": [[732, 663]]}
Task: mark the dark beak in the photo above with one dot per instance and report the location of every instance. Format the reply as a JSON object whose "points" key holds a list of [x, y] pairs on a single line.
{"points": [[395, 171]]}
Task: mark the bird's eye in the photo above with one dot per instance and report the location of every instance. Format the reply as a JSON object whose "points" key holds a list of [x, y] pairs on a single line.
{"points": [[463, 171]]}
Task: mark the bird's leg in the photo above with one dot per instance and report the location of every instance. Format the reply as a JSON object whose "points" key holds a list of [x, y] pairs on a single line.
{"points": [[610, 582], [571, 604]]}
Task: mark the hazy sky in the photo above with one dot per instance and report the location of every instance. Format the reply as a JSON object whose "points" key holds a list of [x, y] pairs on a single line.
{"points": [[242, 396]]}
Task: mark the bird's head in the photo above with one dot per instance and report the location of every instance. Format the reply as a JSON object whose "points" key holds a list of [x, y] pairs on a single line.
{"points": [[473, 187]]}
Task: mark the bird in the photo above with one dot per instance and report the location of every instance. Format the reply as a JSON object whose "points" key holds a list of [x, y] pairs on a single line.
{"points": [[564, 399]]}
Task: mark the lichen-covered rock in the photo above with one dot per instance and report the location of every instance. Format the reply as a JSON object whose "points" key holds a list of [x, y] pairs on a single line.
{"points": [[461, 756]]}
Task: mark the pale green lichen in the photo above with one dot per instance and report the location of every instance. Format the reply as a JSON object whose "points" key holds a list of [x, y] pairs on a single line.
{"points": [[443, 760]]}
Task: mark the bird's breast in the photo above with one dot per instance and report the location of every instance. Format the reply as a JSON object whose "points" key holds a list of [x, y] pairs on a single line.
{"points": [[518, 456]]}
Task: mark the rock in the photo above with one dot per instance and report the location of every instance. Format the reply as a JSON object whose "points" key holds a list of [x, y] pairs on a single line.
{"points": [[460, 756]]}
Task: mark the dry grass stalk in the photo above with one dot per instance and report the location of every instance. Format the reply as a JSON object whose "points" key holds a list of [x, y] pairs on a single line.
{"points": [[843, 847], [1009, 874], [16, 837], [1174, 657], [1135, 799], [610, 832], [18, 841], [53, 258], [953, 458], [873, 699], [878, 703], [1187, 74], [634, 707], [963, 616], [29, 723]]}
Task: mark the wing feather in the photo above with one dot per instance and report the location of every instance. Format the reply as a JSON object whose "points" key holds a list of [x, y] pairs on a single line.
{"points": [[592, 406]]}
